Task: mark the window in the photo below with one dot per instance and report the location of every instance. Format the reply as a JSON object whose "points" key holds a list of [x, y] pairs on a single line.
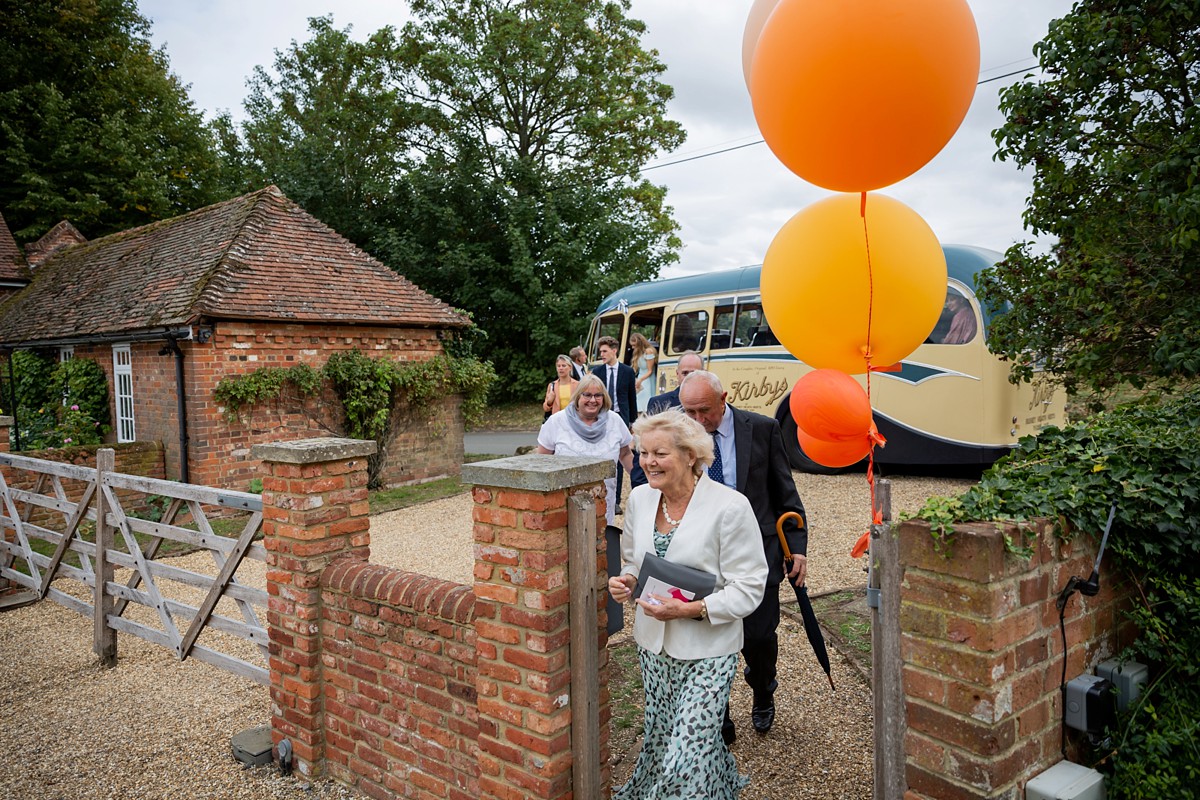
{"points": [[65, 354], [957, 324], [123, 383], [687, 331], [752, 328]]}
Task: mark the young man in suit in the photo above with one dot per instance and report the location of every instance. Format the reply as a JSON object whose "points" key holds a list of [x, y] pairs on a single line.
{"points": [[620, 381], [750, 458]]}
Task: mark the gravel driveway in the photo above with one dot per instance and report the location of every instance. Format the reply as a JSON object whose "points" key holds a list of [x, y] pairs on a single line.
{"points": [[155, 728]]}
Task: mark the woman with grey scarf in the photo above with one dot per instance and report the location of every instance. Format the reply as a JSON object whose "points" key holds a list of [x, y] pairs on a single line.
{"points": [[589, 427]]}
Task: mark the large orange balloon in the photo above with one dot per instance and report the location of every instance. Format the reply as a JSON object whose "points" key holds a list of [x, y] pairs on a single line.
{"points": [[855, 95], [829, 404], [834, 454], [755, 21], [825, 305]]}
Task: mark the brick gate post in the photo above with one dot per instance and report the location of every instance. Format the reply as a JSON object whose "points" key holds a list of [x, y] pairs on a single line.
{"points": [[532, 515], [315, 510], [5, 424]]}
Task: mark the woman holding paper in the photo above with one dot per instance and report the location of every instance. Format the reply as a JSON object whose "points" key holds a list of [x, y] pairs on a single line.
{"points": [[687, 645]]}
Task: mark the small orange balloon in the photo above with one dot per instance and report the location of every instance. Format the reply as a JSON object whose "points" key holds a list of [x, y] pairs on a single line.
{"points": [[830, 305], [828, 404], [858, 94], [834, 454]]}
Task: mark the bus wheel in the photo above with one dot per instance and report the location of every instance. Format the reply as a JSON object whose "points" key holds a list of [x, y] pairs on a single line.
{"points": [[795, 453]]}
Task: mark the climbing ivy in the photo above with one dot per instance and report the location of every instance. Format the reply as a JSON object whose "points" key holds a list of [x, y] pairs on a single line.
{"points": [[370, 390]]}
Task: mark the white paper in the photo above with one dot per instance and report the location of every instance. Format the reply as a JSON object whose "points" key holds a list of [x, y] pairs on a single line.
{"points": [[664, 589]]}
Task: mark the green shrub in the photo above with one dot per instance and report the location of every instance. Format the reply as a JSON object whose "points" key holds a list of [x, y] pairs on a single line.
{"points": [[1144, 457]]}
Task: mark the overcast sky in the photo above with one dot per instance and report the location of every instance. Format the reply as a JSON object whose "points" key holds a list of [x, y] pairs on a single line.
{"points": [[729, 205]]}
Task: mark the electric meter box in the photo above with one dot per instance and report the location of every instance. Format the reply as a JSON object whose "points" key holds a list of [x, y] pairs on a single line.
{"points": [[1129, 678], [1066, 781]]}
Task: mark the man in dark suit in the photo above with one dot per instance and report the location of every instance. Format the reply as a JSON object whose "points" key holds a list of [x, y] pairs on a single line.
{"points": [[620, 381], [750, 457], [688, 363], [578, 362]]}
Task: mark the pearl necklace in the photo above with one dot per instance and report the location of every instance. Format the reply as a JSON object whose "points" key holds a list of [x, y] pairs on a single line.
{"points": [[674, 523]]}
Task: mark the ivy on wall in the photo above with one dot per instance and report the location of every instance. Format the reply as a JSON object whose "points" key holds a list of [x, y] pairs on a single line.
{"points": [[370, 390]]}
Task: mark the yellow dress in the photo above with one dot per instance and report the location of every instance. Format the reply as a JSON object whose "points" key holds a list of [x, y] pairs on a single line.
{"points": [[564, 395]]}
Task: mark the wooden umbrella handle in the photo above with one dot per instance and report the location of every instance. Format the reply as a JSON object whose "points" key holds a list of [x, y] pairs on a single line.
{"points": [[784, 517]]}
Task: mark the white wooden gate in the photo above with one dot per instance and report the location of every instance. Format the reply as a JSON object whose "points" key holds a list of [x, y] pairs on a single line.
{"points": [[56, 508]]}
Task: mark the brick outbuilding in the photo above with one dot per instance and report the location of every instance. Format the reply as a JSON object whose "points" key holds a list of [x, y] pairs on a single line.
{"points": [[170, 308]]}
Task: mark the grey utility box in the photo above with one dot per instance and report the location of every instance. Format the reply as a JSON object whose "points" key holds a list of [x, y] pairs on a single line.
{"points": [[1066, 781], [1129, 678], [253, 747]]}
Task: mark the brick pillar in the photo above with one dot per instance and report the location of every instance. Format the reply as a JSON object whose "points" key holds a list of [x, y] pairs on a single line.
{"points": [[523, 682], [983, 656], [315, 510], [6, 424]]}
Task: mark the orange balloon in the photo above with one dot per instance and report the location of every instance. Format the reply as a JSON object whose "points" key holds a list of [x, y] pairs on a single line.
{"points": [[834, 454], [829, 404], [859, 94], [823, 302], [755, 21]]}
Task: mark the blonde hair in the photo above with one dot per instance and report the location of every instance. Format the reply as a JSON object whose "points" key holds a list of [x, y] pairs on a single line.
{"points": [[591, 380], [640, 345], [686, 434]]}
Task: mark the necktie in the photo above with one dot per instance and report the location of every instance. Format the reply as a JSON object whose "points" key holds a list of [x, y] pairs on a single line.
{"points": [[716, 470], [612, 387]]}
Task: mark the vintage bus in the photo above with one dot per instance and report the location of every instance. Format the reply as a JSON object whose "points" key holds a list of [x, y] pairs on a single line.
{"points": [[950, 403]]}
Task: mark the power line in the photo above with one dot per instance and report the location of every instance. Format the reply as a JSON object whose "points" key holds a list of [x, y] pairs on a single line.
{"points": [[761, 141]]}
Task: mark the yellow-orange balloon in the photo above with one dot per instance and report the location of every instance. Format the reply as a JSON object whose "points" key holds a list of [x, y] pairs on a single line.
{"points": [[823, 302], [855, 95], [755, 21]]}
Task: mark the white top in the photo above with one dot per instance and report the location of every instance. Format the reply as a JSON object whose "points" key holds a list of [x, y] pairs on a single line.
{"points": [[719, 534], [557, 437]]}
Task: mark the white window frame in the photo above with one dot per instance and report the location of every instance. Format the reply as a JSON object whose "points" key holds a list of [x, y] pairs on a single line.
{"points": [[65, 353], [123, 390]]}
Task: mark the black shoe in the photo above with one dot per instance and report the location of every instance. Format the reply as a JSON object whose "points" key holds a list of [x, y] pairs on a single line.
{"points": [[763, 717]]}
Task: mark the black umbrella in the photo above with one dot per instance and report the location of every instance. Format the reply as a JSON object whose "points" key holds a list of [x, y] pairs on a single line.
{"points": [[811, 627]]}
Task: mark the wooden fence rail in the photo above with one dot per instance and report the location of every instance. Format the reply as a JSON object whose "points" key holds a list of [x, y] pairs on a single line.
{"points": [[61, 498]]}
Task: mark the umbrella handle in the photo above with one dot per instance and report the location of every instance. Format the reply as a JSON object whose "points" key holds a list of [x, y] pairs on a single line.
{"points": [[784, 517]]}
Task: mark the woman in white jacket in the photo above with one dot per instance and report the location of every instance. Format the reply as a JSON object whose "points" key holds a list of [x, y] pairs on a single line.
{"points": [[688, 648]]}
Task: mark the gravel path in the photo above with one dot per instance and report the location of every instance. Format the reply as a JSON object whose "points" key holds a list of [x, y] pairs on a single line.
{"points": [[156, 728]]}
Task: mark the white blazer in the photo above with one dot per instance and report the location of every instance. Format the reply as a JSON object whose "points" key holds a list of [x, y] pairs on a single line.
{"points": [[718, 534]]}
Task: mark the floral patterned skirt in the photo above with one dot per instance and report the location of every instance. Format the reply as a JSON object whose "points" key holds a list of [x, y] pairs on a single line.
{"points": [[683, 756]]}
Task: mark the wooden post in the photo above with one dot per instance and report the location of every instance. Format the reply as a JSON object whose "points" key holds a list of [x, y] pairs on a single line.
{"points": [[104, 637], [886, 663], [585, 656]]}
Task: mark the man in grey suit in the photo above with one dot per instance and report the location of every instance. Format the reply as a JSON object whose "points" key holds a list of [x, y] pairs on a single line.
{"points": [[749, 457]]}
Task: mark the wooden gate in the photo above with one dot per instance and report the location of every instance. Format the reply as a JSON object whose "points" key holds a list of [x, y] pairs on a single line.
{"points": [[63, 525]]}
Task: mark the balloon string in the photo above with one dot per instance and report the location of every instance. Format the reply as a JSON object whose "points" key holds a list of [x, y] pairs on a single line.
{"points": [[862, 210]]}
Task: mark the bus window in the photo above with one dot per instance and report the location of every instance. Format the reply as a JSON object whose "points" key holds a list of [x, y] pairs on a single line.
{"points": [[722, 326], [647, 322], [614, 326], [957, 324], [752, 328], [686, 331]]}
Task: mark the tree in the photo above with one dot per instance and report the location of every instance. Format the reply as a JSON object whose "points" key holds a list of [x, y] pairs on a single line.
{"points": [[93, 127], [528, 209], [331, 126], [1112, 133]]}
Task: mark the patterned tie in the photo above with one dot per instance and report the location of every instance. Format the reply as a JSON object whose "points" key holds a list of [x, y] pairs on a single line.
{"points": [[716, 470], [612, 387]]}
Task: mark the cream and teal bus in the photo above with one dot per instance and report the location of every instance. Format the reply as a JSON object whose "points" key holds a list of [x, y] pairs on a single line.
{"points": [[950, 403]]}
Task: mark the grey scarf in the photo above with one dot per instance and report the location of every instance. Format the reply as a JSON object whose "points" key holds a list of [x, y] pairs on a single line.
{"points": [[589, 433]]}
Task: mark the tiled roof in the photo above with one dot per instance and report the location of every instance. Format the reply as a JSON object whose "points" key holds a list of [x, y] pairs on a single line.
{"points": [[259, 256], [12, 263]]}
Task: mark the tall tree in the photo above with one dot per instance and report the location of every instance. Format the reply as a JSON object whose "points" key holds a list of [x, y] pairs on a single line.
{"points": [[93, 126], [551, 108], [331, 125], [1112, 132]]}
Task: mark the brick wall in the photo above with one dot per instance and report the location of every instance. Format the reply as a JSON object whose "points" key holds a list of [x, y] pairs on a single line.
{"points": [[983, 655], [403, 685], [221, 450]]}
